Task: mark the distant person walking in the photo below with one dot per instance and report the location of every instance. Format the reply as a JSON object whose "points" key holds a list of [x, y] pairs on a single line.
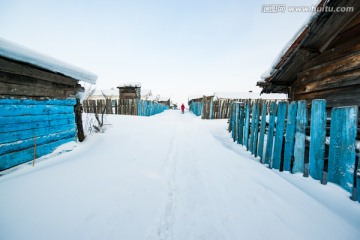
{"points": [[182, 108]]}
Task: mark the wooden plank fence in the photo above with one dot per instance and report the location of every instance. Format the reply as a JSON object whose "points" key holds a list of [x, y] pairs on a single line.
{"points": [[286, 125], [124, 107], [219, 108]]}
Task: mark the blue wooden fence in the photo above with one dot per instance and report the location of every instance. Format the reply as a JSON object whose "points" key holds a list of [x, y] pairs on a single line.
{"points": [[286, 139], [32, 128], [148, 108], [196, 108]]}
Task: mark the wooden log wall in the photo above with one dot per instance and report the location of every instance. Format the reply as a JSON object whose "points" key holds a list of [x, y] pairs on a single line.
{"points": [[21, 80], [287, 140], [32, 128]]}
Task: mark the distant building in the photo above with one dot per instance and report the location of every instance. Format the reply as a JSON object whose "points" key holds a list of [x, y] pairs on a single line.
{"points": [[129, 91]]}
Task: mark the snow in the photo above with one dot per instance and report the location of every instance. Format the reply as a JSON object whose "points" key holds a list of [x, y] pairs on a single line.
{"points": [[169, 176], [129, 84], [19, 53]]}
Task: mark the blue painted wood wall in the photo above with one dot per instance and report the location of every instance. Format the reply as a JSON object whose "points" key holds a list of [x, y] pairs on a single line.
{"points": [[26, 123]]}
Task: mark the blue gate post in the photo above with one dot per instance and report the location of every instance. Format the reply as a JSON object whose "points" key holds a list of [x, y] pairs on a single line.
{"points": [[235, 120], [256, 128], [299, 149], [247, 120], [290, 136], [252, 128], [343, 130], [241, 124], [232, 120], [279, 135], [270, 137], [262, 132], [317, 138]]}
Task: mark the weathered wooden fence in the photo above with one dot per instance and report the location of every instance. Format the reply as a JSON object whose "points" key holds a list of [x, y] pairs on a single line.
{"points": [[283, 127], [33, 128], [124, 107], [217, 109]]}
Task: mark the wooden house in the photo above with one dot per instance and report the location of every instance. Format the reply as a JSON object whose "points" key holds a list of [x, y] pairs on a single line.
{"points": [[39, 102], [323, 62], [129, 91]]}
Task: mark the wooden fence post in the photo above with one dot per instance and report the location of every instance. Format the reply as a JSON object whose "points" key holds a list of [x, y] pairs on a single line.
{"points": [[211, 109], [270, 137], [241, 124], [252, 128], [290, 136], [247, 120], [262, 132], [317, 138], [299, 148], [279, 135], [343, 130], [256, 128]]}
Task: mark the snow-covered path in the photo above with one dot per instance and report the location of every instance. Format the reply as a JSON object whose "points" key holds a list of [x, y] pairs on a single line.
{"points": [[170, 176]]}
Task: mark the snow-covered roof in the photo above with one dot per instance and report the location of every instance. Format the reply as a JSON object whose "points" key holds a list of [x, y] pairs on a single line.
{"points": [[129, 84], [145, 92], [163, 99], [22, 54], [198, 96], [107, 92]]}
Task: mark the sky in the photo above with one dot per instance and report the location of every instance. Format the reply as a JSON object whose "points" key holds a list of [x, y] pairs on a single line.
{"points": [[176, 48]]}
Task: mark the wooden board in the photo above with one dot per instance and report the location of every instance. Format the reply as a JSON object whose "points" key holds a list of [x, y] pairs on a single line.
{"points": [[279, 135], [290, 136], [300, 134], [246, 126], [342, 146], [270, 137], [256, 128], [262, 132], [317, 138], [252, 128], [240, 139]]}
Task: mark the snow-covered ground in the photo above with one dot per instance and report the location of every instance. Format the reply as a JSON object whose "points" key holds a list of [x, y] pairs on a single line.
{"points": [[169, 176]]}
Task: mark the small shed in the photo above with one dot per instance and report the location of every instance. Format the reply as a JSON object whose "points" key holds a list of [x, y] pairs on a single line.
{"points": [[323, 59], [39, 102], [130, 90]]}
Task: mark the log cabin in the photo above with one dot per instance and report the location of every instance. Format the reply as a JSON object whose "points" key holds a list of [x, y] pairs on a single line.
{"points": [[323, 62], [39, 102]]}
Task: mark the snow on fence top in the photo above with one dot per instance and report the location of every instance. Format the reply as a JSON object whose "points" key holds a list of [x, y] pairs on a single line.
{"points": [[241, 95], [248, 95], [129, 84], [19, 53]]}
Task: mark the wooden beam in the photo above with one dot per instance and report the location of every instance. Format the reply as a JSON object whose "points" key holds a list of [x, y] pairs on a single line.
{"points": [[338, 66], [10, 66]]}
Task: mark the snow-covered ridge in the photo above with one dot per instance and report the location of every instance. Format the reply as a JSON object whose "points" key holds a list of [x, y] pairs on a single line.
{"points": [[19, 53]]}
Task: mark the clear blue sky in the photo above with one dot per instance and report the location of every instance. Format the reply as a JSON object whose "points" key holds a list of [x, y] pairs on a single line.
{"points": [[176, 48]]}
